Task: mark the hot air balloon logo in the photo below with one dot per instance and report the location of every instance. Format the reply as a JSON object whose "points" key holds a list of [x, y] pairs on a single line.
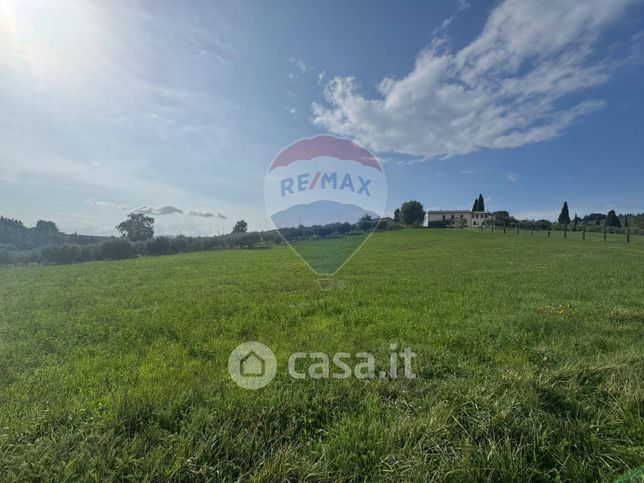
{"points": [[324, 195]]}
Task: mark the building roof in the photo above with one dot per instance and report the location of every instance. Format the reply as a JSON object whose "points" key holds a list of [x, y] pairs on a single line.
{"points": [[440, 212]]}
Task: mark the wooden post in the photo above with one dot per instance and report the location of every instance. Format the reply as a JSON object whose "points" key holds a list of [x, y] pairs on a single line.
{"points": [[549, 229], [628, 233], [604, 230], [583, 232], [565, 230]]}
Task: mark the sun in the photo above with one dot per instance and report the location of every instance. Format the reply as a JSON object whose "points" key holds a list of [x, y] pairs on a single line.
{"points": [[51, 43]]}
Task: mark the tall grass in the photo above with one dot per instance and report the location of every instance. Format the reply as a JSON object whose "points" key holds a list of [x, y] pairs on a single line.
{"points": [[530, 364]]}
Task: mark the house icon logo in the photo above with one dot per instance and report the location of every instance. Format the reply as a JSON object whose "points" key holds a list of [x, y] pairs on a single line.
{"points": [[252, 365]]}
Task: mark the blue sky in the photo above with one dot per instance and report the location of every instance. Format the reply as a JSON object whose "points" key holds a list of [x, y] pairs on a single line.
{"points": [[107, 107]]}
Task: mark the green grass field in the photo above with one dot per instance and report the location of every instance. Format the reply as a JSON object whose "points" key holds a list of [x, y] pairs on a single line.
{"points": [[530, 363]]}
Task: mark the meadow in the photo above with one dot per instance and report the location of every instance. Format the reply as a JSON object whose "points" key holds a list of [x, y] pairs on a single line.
{"points": [[530, 363]]}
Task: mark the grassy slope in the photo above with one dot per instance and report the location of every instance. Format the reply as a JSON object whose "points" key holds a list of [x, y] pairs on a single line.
{"points": [[530, 363]]}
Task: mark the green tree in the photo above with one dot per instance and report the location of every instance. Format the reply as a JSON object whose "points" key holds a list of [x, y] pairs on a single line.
{"points": [[397, 215], [613, 220], [116, 249], [240, 227], [158, 246], [564, 216], [366, 223], [412, 213], [137, 227], [481, 203], [46, 226], [503, 218]]}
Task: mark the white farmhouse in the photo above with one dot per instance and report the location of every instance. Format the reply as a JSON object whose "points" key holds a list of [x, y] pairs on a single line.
{"points": [[460, 218]]}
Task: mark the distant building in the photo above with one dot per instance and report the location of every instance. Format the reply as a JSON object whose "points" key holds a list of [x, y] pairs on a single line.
{"points": [[459, 218], [385, 223]]}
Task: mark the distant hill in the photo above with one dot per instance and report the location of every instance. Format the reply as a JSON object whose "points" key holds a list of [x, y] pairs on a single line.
{"points": [[319, 213], [13, 233]]}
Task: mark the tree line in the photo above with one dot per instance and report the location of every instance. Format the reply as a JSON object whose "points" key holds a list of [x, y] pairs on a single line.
{"points": [[595, 222], [121, 248], [13, 233], [138, 240], [45, 244], [412, 214]]}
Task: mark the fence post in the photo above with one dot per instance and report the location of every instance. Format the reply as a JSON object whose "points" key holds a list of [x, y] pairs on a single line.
{"points": [[583, 232], [604, 230], [549, 229], [565, 230], [628, 232]]}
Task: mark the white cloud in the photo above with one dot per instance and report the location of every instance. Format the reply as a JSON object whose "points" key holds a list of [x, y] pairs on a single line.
{"points": [[203, 214], [513, 177], [161, 210], [116, 94], [106, 204], [507, 88], [302, 67], [150, 210]]}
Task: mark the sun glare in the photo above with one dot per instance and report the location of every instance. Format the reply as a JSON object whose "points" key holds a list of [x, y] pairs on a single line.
{"points": [[56, 43]]}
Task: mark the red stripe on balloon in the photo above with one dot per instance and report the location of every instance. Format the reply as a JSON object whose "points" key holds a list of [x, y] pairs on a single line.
{"points": [[315, 180], [344, 149]]}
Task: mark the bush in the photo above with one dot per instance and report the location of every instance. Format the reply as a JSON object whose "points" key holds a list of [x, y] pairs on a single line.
{"points": [[61, 254], [438, 224], [158, 246], [139, 247], [89, 253], [7, 257], [197, 244], [179, 244], [117, 249], [250, 239]]}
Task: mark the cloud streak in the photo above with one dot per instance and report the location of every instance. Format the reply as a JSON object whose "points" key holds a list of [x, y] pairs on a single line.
{"points": [[161, 210], [106, 204], [509, 87], [203, 214], [151, 210], [206, 214]]}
